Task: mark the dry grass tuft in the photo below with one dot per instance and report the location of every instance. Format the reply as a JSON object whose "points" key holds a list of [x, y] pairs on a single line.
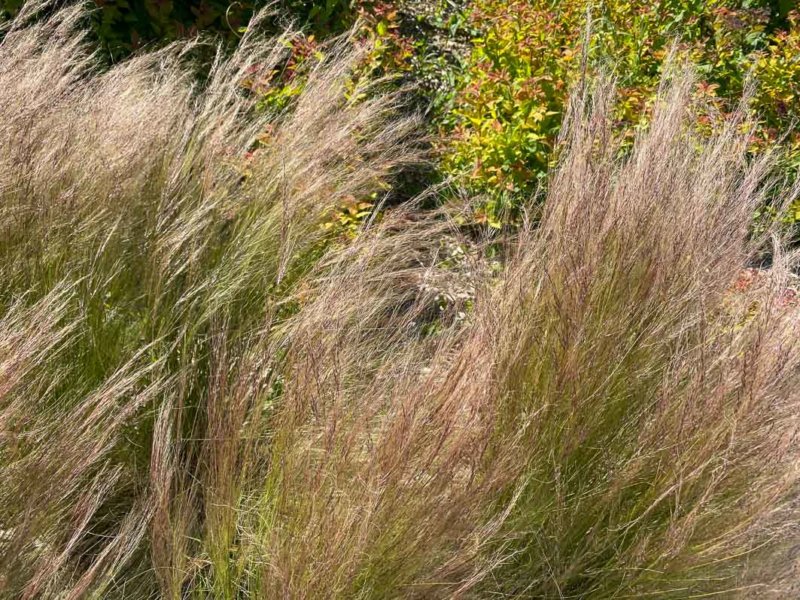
{"points": [[202, 397]]}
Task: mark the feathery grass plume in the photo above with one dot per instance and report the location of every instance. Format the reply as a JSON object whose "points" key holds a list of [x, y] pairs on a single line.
{"points": [[140, 271], [654, 404], [376, 484]]}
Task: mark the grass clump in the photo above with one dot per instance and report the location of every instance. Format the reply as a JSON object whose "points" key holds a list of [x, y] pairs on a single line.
{"points": [[200, 398]]}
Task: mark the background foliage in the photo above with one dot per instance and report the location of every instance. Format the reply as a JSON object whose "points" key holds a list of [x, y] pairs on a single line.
{"points": [[512, 93], [492, 76], [123, 26]]}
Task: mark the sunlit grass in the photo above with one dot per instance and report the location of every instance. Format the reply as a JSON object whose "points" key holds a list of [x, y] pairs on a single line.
{"points": [[201, 398]]}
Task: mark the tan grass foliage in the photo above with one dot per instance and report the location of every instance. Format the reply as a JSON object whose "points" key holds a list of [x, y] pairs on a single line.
{"points": [[201, 396]]}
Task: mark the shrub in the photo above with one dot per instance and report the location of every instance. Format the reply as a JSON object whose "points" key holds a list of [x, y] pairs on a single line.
{"points": [[514, 89]]}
